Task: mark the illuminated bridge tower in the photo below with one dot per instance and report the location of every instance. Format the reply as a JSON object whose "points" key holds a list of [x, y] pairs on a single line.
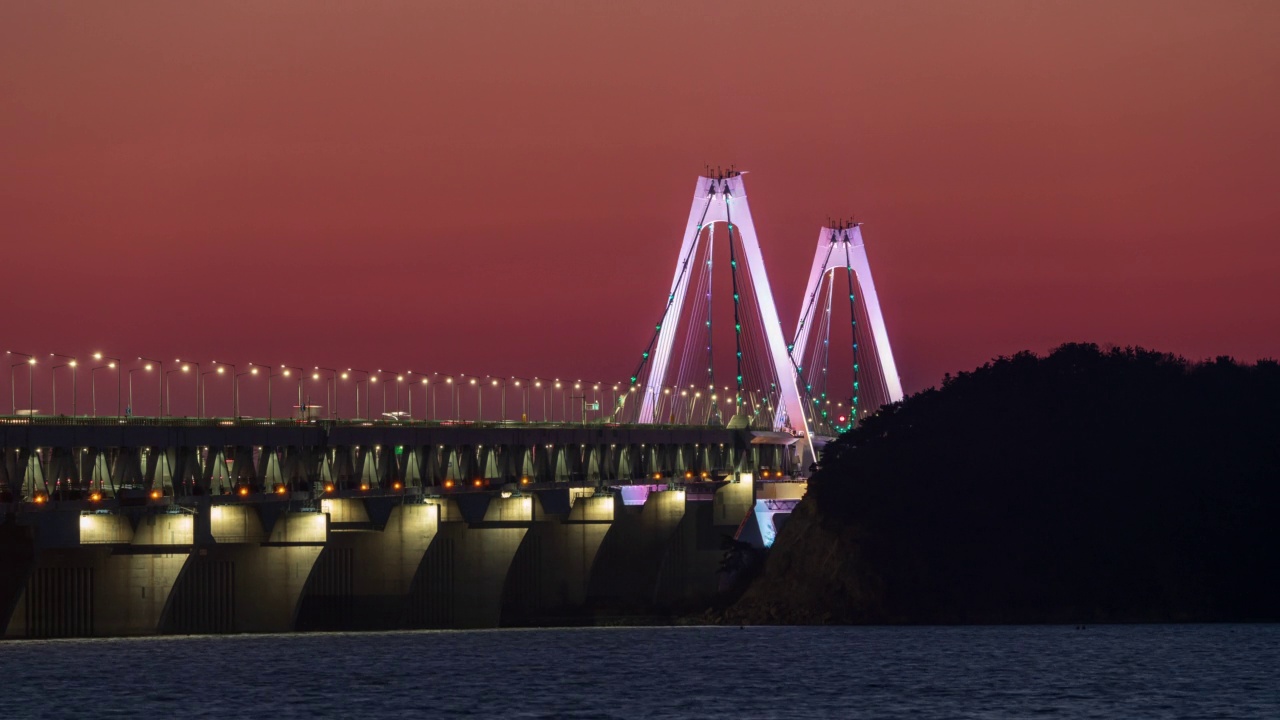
{"points": [[874, 375], [763, 393]]}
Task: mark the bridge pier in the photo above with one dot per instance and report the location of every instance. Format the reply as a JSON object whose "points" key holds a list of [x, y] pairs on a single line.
{"points": [[624, 578], [248, 570], [93, 574], [551, 570], [362, 579], [460, 581]]}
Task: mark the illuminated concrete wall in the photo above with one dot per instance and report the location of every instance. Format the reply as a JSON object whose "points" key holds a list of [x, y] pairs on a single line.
{"points": [[241, 583], [624, 578], [363, 578], [550, 573], [461, 578], [116, 581]]}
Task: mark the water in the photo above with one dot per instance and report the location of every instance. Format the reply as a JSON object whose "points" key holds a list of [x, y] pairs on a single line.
{"points": [[1186, 671]]}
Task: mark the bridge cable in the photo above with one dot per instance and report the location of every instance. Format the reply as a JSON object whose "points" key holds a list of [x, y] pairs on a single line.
{"points": [[684, 267], [737, 322], [711, 248], [700, 302], [807, 399], [853, 332]]}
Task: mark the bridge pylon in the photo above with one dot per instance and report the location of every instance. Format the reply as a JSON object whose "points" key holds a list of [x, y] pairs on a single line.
{"points": [[721, 201], [840, 248]]}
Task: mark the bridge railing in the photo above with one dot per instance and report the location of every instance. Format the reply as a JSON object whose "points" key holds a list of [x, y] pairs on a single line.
{"points": [[214, 422]]}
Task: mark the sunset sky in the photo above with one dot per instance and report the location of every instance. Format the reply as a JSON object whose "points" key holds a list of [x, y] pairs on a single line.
{"points": [[500, 187]]}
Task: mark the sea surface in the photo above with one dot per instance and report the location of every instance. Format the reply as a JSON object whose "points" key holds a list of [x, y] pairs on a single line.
{"points": [[1135, 671]]}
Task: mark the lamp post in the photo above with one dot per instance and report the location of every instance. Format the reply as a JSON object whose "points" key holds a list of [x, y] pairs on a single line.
{"points": [[453, 405], [366, 391], [346, 375], [332, 382], [523, 384], [399, 382], [503, 398], [71, 363], [199, 405], [235, 387], [475, 382], [373, 378], [205, 383], [426, 388], [13, 388], [147, 368], [160, 391], [118, 366], [408, 386], [168, 393], [543, 393], [315, 375], [271, 375], [93, 385], [233, 384], [300, 372]]}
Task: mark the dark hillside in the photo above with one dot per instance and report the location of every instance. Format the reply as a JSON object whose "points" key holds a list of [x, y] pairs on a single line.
{"points": [[1084, 486]]}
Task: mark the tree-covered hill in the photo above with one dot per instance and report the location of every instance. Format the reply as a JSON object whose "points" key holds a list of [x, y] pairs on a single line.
{"points": [[1088, 485]]}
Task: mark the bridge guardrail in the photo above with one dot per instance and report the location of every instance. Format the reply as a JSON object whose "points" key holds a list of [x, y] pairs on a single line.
{"points": [[64, 420]]}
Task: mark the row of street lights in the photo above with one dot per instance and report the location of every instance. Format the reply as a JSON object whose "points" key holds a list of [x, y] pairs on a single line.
{"points": [[331, 376], [71, 362], [669, 399]]}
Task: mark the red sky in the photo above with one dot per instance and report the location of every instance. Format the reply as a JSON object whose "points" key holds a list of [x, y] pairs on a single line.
{"points": [[500, 187]]}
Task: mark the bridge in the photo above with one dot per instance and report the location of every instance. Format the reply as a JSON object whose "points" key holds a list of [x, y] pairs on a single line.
{"points": [[300, 508]]}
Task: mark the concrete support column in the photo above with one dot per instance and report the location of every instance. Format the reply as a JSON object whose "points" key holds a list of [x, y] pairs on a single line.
{"points": [[460, 581]]}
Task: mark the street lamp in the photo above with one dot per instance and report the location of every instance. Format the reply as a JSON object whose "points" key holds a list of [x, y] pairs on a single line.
{"points": [[119, 365], [332, 382], [366, 391], [71, 363], [160, 379], [494, 382], [13, 389], [168, 393], [147, 368], [453, 396], [93, 385], [373, 378], [525, 384], [271, 375], [205, 383], [300, 372], [425, 390], [399, 381], [427, 387], [475, 382], [199, 405], [235, 387]]}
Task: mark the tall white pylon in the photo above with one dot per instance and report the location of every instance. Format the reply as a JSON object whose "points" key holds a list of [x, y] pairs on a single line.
{"points": [[841, 247], [724, 200]]}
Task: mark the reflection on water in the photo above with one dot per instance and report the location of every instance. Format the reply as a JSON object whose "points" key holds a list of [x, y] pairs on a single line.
{"points": [[699, 672]]}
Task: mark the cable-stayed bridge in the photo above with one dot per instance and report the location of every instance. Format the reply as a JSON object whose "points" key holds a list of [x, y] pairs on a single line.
{"points": [[207, 496]]}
